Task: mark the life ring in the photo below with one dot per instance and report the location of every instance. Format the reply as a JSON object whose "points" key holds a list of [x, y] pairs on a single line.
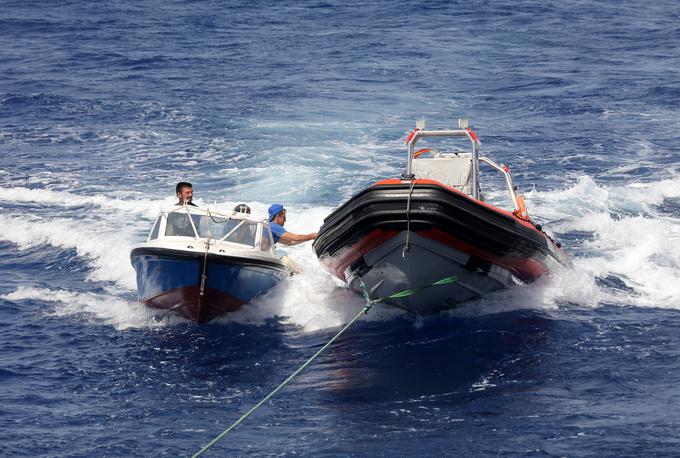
{"points": [[420, 152]]}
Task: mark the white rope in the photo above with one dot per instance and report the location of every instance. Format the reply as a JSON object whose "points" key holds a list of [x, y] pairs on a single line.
{"points": [[407, 243], [204, 277]]}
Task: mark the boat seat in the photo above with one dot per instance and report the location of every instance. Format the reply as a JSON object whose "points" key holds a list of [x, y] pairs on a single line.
{"points": [[453, 171]]}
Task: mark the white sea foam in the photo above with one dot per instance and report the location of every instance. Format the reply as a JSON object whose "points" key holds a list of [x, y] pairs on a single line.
{"points": [[68, 199], [627, 237], [631, 241], [642, 252], [312, 300], [587, 197], [106, 248], [94, 308], [563, 286], [629, 256]]}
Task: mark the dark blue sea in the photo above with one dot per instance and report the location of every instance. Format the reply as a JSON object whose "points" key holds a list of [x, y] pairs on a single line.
{"points": [[105, 105]]}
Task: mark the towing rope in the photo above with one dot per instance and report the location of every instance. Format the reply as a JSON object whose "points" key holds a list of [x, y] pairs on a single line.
{"points": [[406, 292], [365, 310], [369, 304], [204, 277]]}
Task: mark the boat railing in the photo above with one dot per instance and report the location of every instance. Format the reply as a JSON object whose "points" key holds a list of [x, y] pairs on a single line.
{"points": [[464, 131], [505, 170]]}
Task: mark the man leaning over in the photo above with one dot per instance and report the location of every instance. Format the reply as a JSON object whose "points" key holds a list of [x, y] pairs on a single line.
{"points": [[277, 218]]}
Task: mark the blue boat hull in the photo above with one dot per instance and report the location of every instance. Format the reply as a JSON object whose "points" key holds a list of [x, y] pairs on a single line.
{"points": [[171, 280]]}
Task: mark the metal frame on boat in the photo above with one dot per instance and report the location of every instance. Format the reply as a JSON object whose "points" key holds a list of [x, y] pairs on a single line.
{"points": [[203, 263], [466, 132]]}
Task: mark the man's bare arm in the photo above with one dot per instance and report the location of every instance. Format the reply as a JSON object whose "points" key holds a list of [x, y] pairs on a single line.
{"points": [[293, 239]]}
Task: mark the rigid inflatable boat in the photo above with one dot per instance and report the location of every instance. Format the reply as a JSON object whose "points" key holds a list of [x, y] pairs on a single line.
{"points": [[202, 264], [432, 223]]}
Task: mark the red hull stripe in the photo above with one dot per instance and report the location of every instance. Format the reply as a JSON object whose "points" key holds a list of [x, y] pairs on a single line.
{"points": [[526, 269], [348, 255]]}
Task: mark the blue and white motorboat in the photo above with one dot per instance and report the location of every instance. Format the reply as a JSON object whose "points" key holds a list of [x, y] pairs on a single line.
{"points": [[202, 263]]}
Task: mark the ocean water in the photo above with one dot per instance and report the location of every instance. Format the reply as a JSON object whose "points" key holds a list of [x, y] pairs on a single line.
{"points": [[104, 106]]}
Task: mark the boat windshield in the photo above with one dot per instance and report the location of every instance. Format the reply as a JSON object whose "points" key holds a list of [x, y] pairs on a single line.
{"points": [[228, 229], [156, 228], [217, 227]]}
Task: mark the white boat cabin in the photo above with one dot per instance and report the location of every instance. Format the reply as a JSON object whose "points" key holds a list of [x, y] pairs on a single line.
{"points": [[232, 229]]}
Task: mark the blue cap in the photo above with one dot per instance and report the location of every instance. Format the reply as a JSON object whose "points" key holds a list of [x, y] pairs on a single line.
{"points": [[275, 210]]}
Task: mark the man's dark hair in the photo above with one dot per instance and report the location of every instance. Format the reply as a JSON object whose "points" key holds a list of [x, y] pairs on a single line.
{"points": [[180, 185]]}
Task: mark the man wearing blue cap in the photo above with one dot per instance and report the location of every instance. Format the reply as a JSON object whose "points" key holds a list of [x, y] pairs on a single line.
{"points": [[277, 218]]}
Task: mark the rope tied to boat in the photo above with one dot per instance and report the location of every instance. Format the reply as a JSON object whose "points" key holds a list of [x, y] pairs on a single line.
{"points": [[204, 277], [405, 293], [364, 311], [407, 243]]}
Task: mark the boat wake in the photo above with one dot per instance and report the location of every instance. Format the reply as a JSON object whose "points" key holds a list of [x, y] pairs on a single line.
{"points": [[93, 308], [623, 241]]}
